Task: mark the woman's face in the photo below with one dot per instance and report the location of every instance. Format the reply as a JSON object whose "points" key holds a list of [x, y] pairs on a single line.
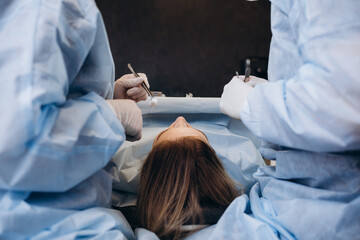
{"points": [[178, 129]]}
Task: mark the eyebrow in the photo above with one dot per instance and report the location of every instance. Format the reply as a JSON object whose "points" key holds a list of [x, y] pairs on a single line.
{"points": [[158, 136]]}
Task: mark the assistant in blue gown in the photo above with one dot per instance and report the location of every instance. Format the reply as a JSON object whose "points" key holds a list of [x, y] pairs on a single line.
{"points": [[312, 100], [57, 131], [310, 113]]}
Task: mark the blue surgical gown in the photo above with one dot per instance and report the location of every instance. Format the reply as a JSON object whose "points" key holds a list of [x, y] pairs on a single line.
{"points": [[57, 132], [311, 103], [312, 100], [307, 196]]}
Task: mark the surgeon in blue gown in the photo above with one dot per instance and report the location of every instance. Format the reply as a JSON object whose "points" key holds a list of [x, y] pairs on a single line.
{"points": [[309, 114], [57, 130]]}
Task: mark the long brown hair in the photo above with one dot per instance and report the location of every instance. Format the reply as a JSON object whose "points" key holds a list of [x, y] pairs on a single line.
{"points": [[179, 179]]}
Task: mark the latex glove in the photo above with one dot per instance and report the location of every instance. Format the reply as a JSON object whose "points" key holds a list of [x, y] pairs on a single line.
{"points": [[253, 81], [130, 116], [234, 96], [129, 87]]}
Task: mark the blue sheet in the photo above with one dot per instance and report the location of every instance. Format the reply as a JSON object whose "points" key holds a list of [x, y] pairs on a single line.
{"points": [[234, 146], [306, 196]]}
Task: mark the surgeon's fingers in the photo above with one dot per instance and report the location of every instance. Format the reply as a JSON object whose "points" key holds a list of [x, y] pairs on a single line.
{"points": [[137, 94], [255, 81], [238, 78], [135, 91], [126, 76], [144, 77], [131, 76], [141, 96]]}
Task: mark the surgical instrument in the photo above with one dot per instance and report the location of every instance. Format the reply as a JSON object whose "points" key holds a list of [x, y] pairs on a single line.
{"points": [[143, 84], [247, 70], [247, 75]]}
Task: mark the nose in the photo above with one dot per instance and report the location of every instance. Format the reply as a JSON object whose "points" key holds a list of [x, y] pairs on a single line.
{"points": [[180, 122]]}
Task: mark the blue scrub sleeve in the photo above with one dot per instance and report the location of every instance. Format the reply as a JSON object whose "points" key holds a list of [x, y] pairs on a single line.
{"points": [[317, 107], [56, 129]]}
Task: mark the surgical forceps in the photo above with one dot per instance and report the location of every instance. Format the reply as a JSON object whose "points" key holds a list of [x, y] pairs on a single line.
{"points": [[143, 84]]}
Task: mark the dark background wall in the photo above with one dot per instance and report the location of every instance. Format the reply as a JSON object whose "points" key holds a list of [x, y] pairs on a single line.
{"points": [[187, 45]]}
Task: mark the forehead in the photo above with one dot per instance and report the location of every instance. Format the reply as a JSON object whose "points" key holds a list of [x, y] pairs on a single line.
{"points": [[174, 133]]}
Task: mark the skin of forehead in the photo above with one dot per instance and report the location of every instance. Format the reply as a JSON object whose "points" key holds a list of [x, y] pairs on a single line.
{"points": [[174, 133]]}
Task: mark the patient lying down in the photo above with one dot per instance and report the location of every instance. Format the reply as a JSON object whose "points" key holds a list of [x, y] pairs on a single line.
{"points": [[183, 183]]}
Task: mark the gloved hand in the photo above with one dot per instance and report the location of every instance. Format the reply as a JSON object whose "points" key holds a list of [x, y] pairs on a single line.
{"points": [[130, 116], [129, 87], [253, 81], [235, 93]]}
